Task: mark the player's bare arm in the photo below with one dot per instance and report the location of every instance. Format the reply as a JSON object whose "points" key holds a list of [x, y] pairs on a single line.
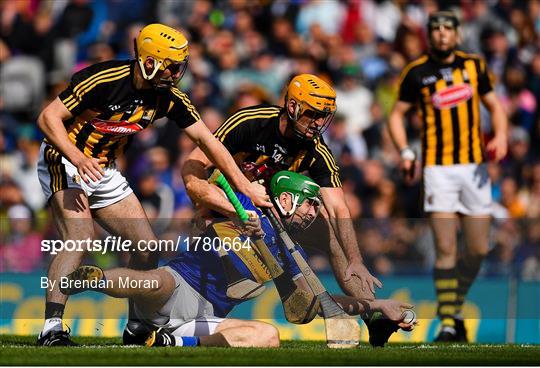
{"points": [[499, 143], [390, 308], [340, 219], [202, 193], [223, 160], [339, 264], [396, 128], [50, 121]]}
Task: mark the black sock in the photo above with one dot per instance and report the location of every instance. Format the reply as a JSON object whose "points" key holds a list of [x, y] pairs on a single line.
{"points": [[54, 310], [467, 269], [446, 286]]}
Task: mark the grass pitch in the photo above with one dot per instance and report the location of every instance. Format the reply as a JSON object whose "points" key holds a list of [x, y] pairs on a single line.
{"points": [[20, 350]]}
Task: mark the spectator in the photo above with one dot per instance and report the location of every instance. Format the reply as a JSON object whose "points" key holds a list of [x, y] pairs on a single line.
{"points": [[21, 249], [510, 198]]}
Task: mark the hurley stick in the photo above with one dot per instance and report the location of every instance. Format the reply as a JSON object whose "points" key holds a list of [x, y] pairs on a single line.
{"points": [[341, 330], [297, 303]]}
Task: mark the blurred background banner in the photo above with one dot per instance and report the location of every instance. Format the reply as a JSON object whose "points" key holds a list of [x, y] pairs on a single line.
{"points": [[499, 310]]}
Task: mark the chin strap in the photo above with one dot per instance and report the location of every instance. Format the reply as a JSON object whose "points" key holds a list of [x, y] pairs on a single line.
{"points": [[293, 208]]}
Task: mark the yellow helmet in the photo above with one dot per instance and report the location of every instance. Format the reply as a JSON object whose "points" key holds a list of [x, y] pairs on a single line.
{"points": [[311, 92], [162, 43], [314, 95]]}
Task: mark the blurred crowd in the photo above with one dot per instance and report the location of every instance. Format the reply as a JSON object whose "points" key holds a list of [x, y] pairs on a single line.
{"points": [[242, 53]]}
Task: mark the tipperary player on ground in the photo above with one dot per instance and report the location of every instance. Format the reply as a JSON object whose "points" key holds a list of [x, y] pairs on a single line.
{"points": [[188, 304], [89, 125]]}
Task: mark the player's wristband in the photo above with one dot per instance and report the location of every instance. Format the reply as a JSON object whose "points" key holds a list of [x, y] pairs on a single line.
{"points": [[407, 154]]}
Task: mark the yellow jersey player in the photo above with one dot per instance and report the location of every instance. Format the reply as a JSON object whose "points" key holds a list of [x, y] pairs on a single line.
{"points": [[446, 86], [89, 125]]}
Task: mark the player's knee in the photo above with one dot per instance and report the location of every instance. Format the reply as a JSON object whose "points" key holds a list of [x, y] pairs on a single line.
{"points": [[159, 281], [156, 285]]}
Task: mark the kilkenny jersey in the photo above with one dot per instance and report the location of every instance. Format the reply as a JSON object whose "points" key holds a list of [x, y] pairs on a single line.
{"points": [[447, 99], [252, 135], [204, 272], [108, 110]]}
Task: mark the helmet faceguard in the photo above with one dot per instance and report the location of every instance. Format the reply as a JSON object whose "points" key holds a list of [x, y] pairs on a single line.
{"points": [[168, 48], [301, 189], [442, 18], [314, 99]]}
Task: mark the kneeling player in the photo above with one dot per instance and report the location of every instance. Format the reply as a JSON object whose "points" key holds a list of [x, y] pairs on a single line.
{"points": [[185, 303]]}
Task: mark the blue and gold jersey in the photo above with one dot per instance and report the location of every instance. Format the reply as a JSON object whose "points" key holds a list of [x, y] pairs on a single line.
{"points": [[204, 272]]}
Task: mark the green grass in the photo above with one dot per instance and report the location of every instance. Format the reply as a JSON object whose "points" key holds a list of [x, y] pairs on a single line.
{"points": [[20, 350]]}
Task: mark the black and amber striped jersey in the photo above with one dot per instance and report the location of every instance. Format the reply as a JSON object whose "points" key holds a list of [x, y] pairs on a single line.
{"points": [[107, 109], [252, 135], [447, 98]]}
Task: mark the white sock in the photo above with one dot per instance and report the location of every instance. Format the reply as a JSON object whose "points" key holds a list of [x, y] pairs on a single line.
{"points": [[52, 324]]}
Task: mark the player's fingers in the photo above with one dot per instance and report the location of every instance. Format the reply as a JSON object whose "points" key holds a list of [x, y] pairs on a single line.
{"points": [[252, 215], [97, 165], [95, 174], [370, 285], [88, 174], [264, 202], [377, 282], [253, 230], [406, 167], [83, 176], [407, 164], [406, 306], [406, 326], [98, 170], [90, 167], [412, 170]]}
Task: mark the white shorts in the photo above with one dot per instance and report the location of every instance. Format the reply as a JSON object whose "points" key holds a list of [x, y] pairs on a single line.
{"points": [[186, 313], [464, 189], [56, 173]]}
